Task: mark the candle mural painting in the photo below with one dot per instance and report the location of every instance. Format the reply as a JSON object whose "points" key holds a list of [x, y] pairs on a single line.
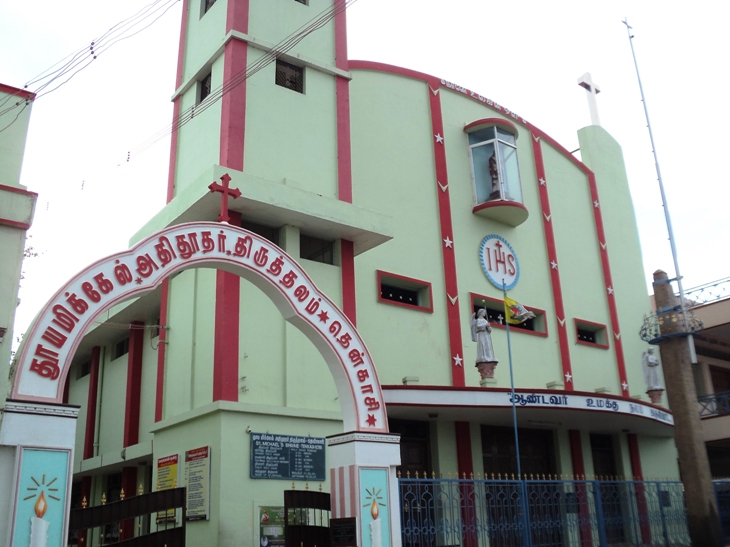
{"points": [[375, 512], [40, 501]]}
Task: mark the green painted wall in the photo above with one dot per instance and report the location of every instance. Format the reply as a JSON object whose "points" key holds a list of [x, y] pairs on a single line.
{"points": [[603, 155], [273, 150]]}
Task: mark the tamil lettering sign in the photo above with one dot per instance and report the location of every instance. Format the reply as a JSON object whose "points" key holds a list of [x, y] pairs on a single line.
{"points": [[48, 348], [287, 457]]}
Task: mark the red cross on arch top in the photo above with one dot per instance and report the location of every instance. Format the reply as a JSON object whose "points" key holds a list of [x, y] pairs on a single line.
{"points": [[225, 191]]}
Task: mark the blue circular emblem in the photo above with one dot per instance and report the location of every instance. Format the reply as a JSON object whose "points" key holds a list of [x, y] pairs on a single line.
{"points": [[499, 262]]}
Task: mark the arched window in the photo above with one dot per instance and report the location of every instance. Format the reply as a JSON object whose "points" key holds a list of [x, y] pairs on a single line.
{"points": [[495, 169]]}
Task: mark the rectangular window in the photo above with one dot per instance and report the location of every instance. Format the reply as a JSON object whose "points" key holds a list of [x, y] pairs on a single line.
{"points": [[120, 348], [290, 76], [589, 333], [318, 250], [204, 86], [496, 317], [272, 234], [399, 290]]}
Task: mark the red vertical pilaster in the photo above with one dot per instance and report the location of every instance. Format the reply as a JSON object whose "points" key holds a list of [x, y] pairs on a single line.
{"points": [[83, 535], [91, 402], [562, 324], [466, 489], [134, 384], [227, 310], [581, 494], [446, 238], [638, 475], [129, 486]]}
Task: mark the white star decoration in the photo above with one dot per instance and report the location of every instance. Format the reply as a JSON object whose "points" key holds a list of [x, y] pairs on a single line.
{"points": [[448, 243], [457, 360], [439, 138], [554, 265], [542, 181], [625, 386], [568, 377], [610, 290], [596, 204]]}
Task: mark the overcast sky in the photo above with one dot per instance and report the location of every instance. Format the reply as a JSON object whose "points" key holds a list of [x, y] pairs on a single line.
{"points": [[526, 55]]}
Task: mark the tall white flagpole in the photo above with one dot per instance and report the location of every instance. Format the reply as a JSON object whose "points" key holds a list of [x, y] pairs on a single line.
{"points": [[682, 302]]}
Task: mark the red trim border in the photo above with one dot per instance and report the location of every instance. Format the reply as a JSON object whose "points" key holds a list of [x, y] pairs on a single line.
{"points": [[490, 122], [382, 275], [600, 326]]}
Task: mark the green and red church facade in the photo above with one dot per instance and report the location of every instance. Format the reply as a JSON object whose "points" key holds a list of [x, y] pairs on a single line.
{"points": [[333, 297]]}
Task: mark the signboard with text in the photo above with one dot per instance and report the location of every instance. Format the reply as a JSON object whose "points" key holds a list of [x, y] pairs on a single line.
{"points": [[197, 480], [287, 457]]}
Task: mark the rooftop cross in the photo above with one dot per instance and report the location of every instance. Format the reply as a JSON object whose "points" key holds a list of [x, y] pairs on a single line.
{"points": [[225, 191], [592, 90]]}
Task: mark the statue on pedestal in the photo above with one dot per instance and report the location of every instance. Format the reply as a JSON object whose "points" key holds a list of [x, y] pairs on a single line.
{"points": [[651, 376], [480, 333]]}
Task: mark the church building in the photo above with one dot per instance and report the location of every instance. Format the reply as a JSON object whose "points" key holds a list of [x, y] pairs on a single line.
{"points": [[413, 204]]}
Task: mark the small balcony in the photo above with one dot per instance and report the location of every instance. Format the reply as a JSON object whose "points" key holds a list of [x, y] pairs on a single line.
{"points": [[716, 404]]}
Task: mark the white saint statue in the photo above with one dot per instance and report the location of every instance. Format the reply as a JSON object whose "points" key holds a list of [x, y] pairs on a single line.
{"points": [[480, 333], [651, 370]]}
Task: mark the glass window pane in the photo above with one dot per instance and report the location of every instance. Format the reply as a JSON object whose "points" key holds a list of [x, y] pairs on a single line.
{"points": [[503, 135], [486, 177], [510, 172], [475, 137]]}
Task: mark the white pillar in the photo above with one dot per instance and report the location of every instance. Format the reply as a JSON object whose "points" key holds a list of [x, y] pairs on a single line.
{"points": [[362, 471], [36, 471]]}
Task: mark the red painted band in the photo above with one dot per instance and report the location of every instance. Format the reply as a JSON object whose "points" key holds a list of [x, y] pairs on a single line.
{"points": [[554, 274], [176, 103], [489, 122], [129, 486], [23, 93], [347, 268], [344, 159], [85, 494], [16, 190], [14, 224], [449, 260], [134, 384], [237, 16], [91, 401], [161, 349], [227, 319], [233, 106], [465, 467], [638, 475], [579, 472], [498, 203]]}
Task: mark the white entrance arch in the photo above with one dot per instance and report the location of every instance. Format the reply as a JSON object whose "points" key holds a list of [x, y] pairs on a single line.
{"points": [[49, 346], [37, 433]]}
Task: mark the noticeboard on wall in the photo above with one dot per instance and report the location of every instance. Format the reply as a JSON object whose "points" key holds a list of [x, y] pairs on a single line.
{"points": [[197, 480], [287, 457]]}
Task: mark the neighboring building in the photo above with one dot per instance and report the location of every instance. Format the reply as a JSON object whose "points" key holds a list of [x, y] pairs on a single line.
{"points": [[384, 184], [17, 206], [711, 304]]}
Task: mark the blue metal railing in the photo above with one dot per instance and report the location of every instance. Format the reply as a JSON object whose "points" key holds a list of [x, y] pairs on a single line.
{"points": [[714, 404], [541, 513]]}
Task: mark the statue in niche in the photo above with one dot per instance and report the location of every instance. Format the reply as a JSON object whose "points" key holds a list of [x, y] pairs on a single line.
{"points": [[651, 376], [480, 333]]}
